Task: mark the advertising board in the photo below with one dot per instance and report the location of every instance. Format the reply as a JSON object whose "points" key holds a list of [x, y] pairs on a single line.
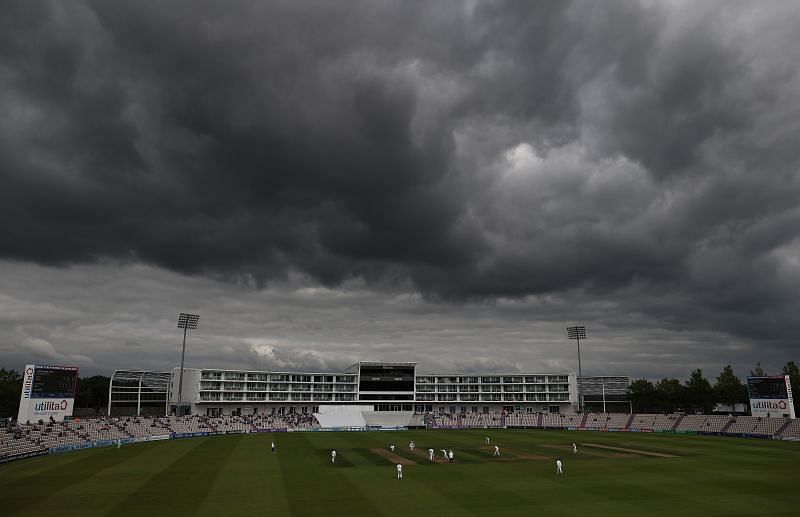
{"points": [[47, 392], [771, 396]]}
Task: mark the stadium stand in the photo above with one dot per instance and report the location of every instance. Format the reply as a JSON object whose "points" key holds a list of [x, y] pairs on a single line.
{"points": [[523, 420], [572, 420], [552, 421], [703, 423], [744, 425], [21, 439], [790, 429]]}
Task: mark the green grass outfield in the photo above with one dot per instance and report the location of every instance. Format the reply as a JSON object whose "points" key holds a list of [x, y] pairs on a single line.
{"points": [[237, 475]]}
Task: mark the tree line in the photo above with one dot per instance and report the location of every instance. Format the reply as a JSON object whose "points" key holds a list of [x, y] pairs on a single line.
{"points": [[92, 392], [698, 394]]}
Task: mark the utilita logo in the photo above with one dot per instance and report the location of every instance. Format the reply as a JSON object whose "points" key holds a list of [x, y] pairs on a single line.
{"points": [[767, 404], [26, 385], [51, 406]]}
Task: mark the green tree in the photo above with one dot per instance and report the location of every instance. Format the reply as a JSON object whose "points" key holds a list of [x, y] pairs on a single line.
{"points": [[10, 390], [793, 371], [92, 392], [670, 394], [642, 394], [758, 371], [698, 393], [729, 389]]}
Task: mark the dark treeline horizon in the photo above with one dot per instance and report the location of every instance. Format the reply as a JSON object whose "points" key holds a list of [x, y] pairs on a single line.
{"points": [[697, 394]]}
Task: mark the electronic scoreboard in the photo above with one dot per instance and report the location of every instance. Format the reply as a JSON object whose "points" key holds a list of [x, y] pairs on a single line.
{"points": [[771, 396], [47, 392]]}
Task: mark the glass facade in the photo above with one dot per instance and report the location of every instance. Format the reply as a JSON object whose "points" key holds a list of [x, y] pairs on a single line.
{"points": [[376, 383]]}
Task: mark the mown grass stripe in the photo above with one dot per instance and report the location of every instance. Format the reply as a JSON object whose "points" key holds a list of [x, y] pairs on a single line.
{"points": [[251, 477], [49, 483], [332, 490], [190, 475]]}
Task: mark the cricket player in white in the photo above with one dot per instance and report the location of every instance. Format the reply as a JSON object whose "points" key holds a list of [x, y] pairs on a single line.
{"points": [[558, 467], [273, 446], [450, 455], [496, 451], [487, 440], [430, 454], [444, 454], [119, 444], [574, 448], [412, 445], [333, 456], [399, 471], [391, 447]]}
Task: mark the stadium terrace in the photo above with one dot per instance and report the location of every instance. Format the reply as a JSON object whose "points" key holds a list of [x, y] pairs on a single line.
{"points": [[384, 392]]}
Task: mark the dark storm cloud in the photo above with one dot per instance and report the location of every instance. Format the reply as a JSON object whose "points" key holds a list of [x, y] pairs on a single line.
{"points": [[645, 151]]}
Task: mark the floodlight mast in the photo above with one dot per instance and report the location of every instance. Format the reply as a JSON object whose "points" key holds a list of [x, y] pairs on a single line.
{"points": [[577, 333], [185, 322]]}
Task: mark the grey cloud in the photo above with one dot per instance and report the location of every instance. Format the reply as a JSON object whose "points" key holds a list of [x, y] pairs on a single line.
{"points": [[635, 151]]}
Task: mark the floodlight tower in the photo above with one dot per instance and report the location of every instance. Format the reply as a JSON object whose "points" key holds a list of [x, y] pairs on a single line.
{"points": [[577, 333], [185, 322]]}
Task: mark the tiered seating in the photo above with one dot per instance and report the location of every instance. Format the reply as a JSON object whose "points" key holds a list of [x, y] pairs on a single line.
{"points": [[553, 420], [768, 426], [97, 430], [446, 420], [192, 424], [147, 426], [692, 423], [522, 420], [703, 423], [571, 420], [481, 420], [643, 421], [792, 430], [618, 420], [743, 424], [41, 436], [664, 422], [596, 421]]}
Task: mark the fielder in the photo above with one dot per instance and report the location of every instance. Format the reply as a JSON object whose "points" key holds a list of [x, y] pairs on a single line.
{"points": [[430, 455], [496, 451], [333, 456], [391, 447], [444, 454], [273, 446], [574, 448], [450, 455], [487, 440], [399, 471], [558, 467], [412, 445]]}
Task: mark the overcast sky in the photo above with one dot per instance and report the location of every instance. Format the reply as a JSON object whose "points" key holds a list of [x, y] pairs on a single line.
{"points": [[449, 182]]}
